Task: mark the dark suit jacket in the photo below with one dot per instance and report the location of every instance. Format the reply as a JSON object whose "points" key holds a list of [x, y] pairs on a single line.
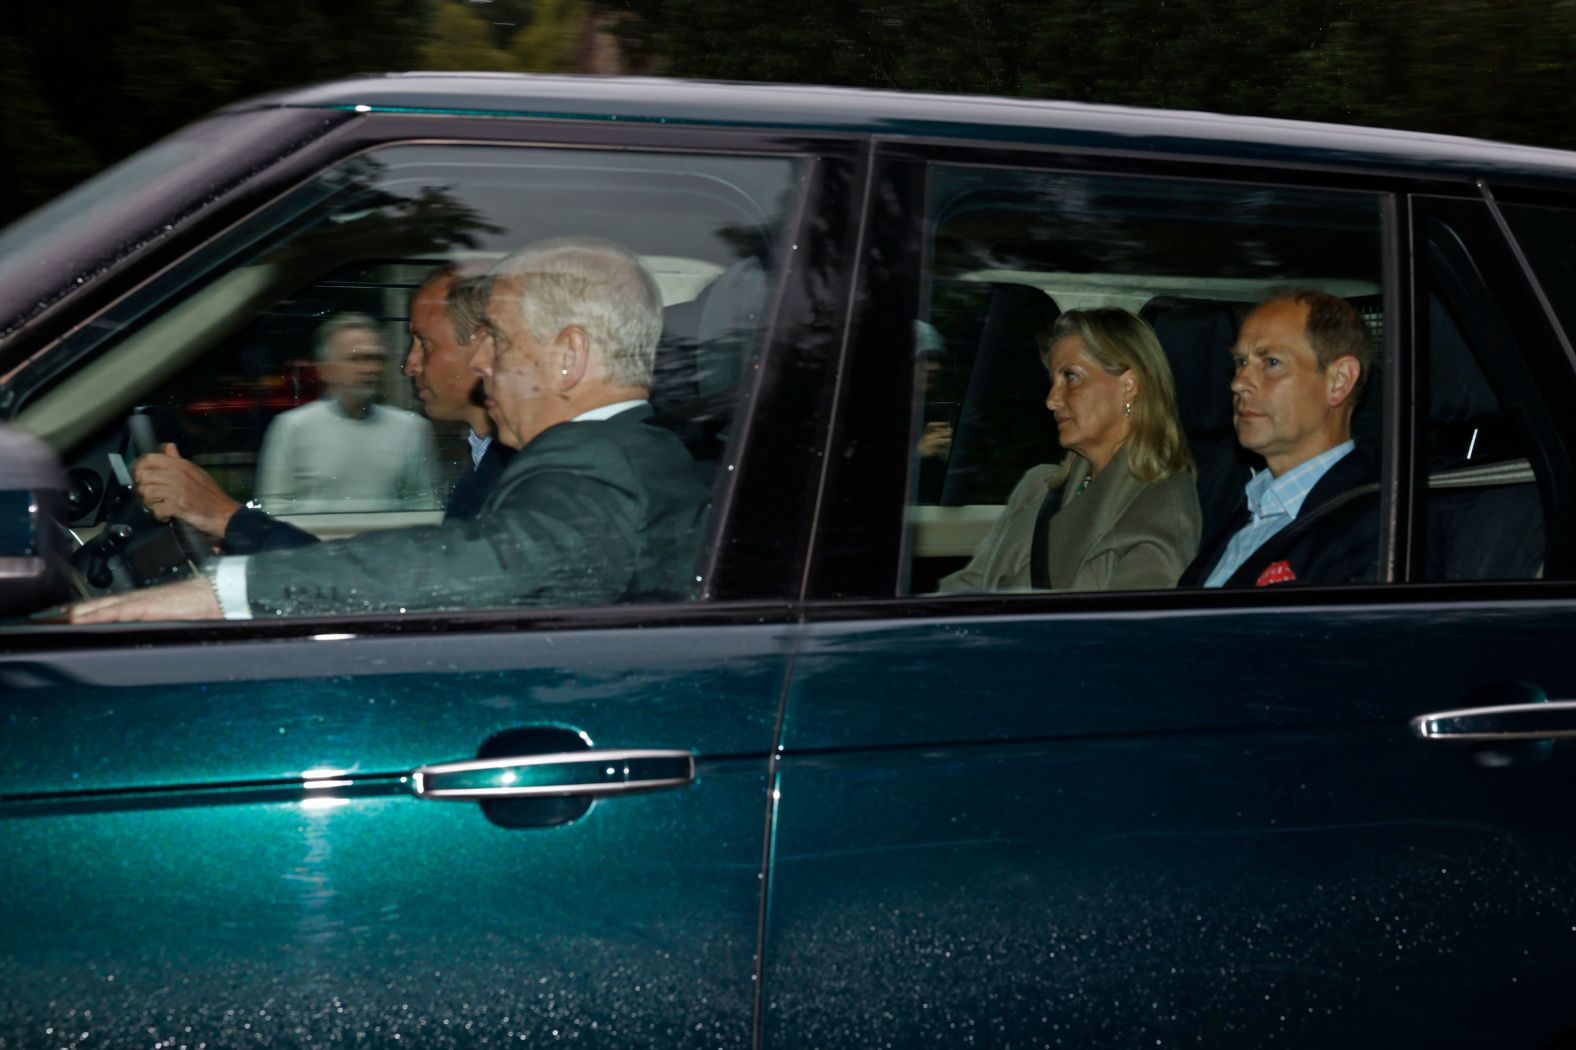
{"points": [[252, 531], [588, 513], [1333, 539]]}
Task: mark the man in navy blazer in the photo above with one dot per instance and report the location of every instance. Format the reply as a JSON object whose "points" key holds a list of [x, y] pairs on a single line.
{"points": [[1302, 359], [444, 315]]}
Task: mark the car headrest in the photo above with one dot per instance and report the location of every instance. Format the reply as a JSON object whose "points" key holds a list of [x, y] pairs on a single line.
{"points": [[1458, 391], [730, 320], [1003, 428], [673, 379], [700, 357], [1197, 339]]}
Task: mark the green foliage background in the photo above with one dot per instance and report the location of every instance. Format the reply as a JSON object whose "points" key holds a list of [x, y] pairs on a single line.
{"points": [[87, 83]]}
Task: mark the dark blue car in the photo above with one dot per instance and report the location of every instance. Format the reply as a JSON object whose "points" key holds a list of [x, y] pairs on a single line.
{"points": [[818, 803]]}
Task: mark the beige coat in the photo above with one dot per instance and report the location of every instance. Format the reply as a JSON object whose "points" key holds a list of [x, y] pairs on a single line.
{"points": [[1120, 534]]}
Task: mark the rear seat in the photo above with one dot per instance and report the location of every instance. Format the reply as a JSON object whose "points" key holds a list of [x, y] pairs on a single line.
{"points": [[1197, 336], [1003, 427], [1485, 518]]}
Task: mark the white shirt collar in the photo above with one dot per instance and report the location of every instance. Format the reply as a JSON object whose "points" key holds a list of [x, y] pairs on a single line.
{"points": [[607, 411], [1269, 496]]}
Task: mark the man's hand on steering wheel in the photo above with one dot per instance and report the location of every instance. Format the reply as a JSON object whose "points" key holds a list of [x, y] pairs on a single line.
{"points": [[172, 487]]}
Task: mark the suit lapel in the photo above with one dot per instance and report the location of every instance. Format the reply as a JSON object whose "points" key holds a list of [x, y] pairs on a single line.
{"points": [[521, 461], [1085, 520], [1214, 546], [1350, 471]]}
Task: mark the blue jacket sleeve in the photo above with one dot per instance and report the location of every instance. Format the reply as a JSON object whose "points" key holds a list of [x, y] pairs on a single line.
{"points": [[252, 532]]}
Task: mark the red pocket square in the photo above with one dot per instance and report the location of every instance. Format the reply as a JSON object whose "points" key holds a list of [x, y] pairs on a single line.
{"points": [[1280, 572]]}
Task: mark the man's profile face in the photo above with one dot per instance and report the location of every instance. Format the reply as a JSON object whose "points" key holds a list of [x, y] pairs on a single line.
{"points": [[352, 367], [517, 372], [438, 365], [1281, 398]]}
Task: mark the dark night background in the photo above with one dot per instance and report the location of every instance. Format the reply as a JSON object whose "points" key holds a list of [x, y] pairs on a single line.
{"points": [[89, 82]]}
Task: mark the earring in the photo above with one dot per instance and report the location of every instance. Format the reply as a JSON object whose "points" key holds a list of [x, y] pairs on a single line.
{"points": [[1127, 409], [565, 371]]}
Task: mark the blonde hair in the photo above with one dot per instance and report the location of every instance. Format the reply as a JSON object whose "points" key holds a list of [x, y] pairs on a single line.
{"points": [[1119, 341]]}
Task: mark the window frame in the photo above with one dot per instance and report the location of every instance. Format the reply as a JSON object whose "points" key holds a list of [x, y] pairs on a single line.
{"points": [[1542, 365], [759, 527], [857, 576]]}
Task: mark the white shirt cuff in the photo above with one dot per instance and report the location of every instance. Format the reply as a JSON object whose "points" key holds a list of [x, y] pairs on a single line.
{"points": [[229, 586]]}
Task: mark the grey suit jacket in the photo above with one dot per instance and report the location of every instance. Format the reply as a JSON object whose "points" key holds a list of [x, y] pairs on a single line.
{"points": [[588, 513], [1120, 534]]}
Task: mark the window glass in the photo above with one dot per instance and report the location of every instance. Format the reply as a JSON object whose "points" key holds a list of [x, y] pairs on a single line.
{"points": [[1548, 238], [1026, 270], [67, 241], [293, 363], [1485, 514]]}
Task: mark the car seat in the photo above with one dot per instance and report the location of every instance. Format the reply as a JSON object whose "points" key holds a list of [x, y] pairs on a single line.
{"points": [[1197, 337], [995, 373]]}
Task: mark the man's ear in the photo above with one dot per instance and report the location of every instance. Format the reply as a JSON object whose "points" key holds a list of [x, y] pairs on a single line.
{"points": [[1342, 375], [572, 350]]}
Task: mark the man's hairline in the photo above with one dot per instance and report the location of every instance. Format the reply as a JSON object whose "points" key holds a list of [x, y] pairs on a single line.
{"points": [[449, 278], [376, 334], [1320, 366], [1307, 309]]}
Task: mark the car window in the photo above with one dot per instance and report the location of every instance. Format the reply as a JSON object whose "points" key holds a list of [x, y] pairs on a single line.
{"points": [[278, 360], [1488, 490], [1175, 266], [1547, 235]]}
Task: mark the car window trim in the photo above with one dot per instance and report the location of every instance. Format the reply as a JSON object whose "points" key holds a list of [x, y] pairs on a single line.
{"points": [[1528, 271], [894, 153], [820, 154], [1057, 158], [58, 637], [1471, 596], [1470, 219]]}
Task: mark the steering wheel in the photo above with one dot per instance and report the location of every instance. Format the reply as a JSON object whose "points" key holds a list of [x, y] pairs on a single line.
{"points": [[135, 549], [37, 543]]}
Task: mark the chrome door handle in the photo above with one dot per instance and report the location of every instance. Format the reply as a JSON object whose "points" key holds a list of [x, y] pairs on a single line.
{"points": [[585, 774], [1541, 721]]}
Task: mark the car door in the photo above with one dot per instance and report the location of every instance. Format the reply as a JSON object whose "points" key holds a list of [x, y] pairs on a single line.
{"points": [[1178, 817], [277, 830]]}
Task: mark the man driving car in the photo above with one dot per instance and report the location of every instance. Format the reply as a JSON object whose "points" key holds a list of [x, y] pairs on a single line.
{"points": [[444, 314], [599, 505]]}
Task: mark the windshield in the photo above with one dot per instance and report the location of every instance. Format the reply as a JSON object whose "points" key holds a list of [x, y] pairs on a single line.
{"points": [[73, 239]]}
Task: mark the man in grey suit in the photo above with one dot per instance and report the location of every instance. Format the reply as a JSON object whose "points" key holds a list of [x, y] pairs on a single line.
{"points": [[598, 506]]}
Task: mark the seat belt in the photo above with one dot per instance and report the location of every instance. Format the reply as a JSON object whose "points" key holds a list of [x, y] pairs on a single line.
{"points": [[1039, 556]]}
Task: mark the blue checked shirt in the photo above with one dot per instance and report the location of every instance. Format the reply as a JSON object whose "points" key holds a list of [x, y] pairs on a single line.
{"points": [[478, 447], [1273, 503]]}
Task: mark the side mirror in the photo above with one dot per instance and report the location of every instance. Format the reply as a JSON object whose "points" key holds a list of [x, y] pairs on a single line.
{"points": [[34, 546]]}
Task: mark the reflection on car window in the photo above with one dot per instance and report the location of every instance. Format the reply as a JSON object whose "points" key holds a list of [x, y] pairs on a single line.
{"points": [[64, 242], [1548, 237], [1484, 512], [1074, 322], [375, 353]]}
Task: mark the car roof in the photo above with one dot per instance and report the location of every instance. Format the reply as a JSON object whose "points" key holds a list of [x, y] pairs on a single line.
{"points": [[981, 120]]}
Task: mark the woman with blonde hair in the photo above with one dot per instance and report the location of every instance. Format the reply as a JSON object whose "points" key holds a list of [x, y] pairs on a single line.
{"points": [[1120, 512]]}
